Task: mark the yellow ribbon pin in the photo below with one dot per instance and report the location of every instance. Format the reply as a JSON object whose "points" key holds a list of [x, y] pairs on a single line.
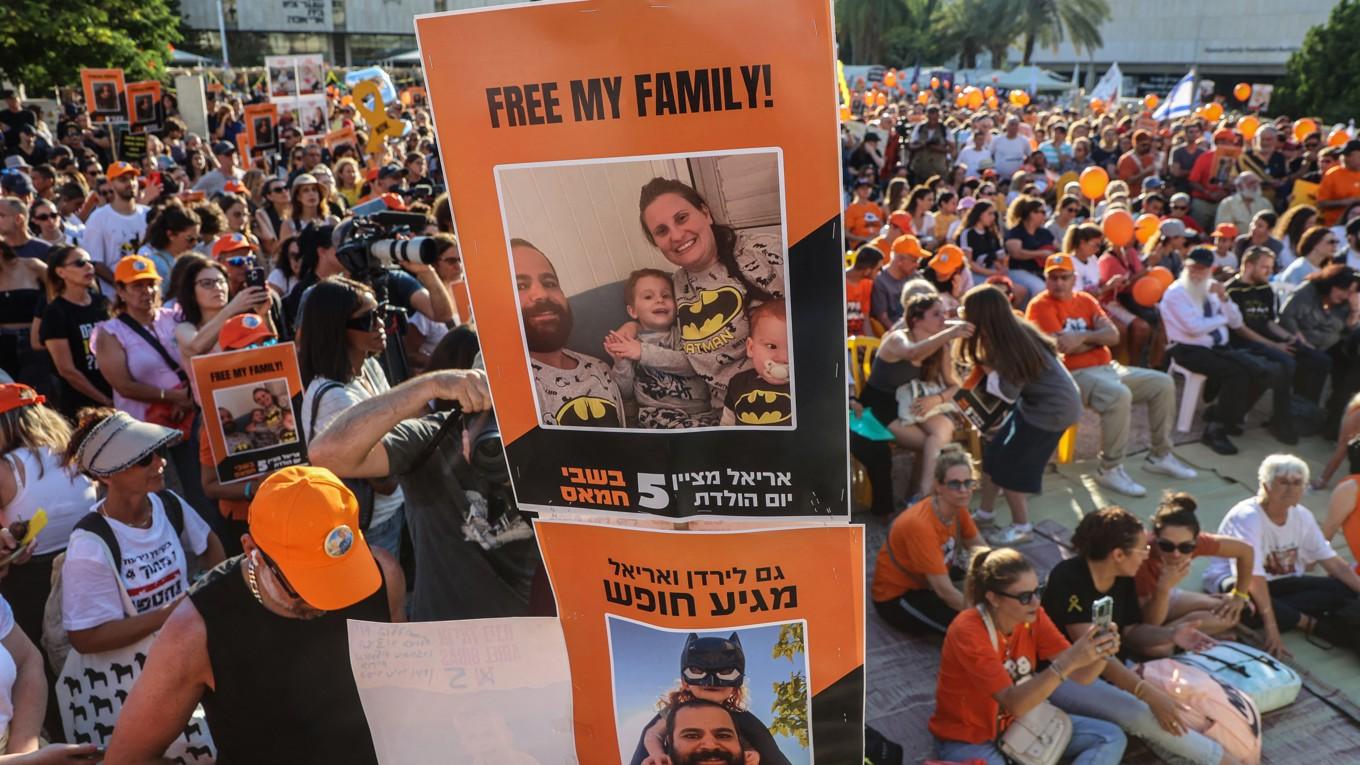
{"points": [[1073, 604]]}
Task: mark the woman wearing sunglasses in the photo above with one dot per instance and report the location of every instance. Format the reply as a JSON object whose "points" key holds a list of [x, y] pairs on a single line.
{"points": [[1111, 546], [75, 307], [340, 337], [103, 607], [48, 222], [1176, 540], [171, 233], [913, 588], [990, 667], [276, 208]]}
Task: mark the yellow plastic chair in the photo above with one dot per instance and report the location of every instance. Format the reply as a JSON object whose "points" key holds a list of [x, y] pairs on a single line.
{"points": [[861, 350], [1067, 445]]}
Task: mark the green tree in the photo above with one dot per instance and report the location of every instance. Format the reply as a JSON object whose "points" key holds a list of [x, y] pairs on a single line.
{"points": [[972, 27], [45, 44], [789, 709], [1049, 22], [862, 23], [1320, 76]]}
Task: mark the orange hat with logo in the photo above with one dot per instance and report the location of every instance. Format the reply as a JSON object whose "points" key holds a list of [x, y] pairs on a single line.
{"points": [[243, 330], [907, 244], [902, 220], [135, 268], [1225, 230], [1059, 262], [947, 261], [15, 395], [120, 169], [307, 522], [234, 186], [231, 243]]}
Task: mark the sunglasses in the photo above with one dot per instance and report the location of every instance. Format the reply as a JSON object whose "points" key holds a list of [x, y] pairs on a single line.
{"points": [[1167, 546], [240, 261], [365, 322], [79, 263], [146, 461], [967, 484], [1073, 210], [43, 217], [283, 580], [1026, 597], [1180, 207], [276, 189]]}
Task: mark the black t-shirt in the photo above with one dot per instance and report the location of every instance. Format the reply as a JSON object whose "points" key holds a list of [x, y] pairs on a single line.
{"points": [[756, 402], [984, 246], [1184, 157], [1257, 303], [1070, 592], [1041, 239], [13, 121], [64, 320]]}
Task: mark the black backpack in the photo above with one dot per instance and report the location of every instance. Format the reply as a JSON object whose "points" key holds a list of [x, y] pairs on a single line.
{"points": [[98, 525]]}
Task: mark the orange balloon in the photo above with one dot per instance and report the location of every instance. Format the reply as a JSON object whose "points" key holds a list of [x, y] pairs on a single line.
{"points": [[845, 114], [1118, 226], [1150, 101], [1147, 291], [882, 99], [1093, 180], [1338, 137], [1242, 91], [934, 82], [923, 98], [1213, 112], [1145, 226], [1024, 98], [975, 98], [1248, 126], [1304, 128], [1163, 275], [890, 78], [989, 91], [992, 103], [1097, 105]]}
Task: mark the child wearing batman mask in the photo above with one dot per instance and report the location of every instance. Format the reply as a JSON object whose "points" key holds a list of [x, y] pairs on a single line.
{"points": [[712, 669], [760, 395]]}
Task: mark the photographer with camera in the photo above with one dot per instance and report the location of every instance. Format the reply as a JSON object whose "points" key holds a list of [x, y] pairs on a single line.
{"points": [[475, 554]]}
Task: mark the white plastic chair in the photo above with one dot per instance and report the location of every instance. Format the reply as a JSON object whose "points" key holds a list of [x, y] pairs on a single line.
{"points": [[1190, 395]]}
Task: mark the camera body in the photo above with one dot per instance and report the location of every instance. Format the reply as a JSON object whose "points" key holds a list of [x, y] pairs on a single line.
{"points": [[379, 241]]}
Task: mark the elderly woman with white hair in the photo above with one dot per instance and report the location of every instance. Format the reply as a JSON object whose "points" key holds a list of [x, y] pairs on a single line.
{"points": [[1287, 541]]}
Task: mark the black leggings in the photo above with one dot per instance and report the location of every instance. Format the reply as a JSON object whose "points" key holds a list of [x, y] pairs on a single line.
{"points": [[1295, 596], [917, 611]]}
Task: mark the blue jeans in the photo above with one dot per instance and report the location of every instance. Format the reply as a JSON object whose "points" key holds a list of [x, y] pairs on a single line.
{"points": [[1106, 702], [387, 534], [1094, 742]]}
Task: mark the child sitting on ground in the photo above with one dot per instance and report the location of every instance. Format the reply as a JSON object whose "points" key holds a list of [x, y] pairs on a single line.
{"points": [[647, 366], [760, 396]]}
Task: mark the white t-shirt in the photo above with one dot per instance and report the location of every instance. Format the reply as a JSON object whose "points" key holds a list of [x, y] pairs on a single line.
{"points": [[1009, 154], [432, 331], [1281, 551], [109, 235], [1088, 274], [370, 382], [971, 156], [154, 570], [9, 671]]}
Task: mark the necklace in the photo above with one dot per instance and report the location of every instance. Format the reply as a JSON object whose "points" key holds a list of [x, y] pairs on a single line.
{"points": [[250, 581]]}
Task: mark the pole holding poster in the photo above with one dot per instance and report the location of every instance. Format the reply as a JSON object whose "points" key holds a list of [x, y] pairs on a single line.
{"points": [[773, 617], [251, 399], [652, 240]]}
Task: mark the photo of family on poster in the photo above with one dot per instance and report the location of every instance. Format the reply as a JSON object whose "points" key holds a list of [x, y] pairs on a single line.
{"points": [[652, 291], [741, 690], [256, 416]]}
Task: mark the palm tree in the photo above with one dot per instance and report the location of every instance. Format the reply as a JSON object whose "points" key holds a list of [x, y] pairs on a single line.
{"points": [[973, 27], [1047, 22], [862, 24]]}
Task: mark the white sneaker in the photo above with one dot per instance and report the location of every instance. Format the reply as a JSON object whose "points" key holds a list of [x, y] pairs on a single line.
{"points": [[1011, 535], [1167, 464], [1115, 479], [983, 518]]}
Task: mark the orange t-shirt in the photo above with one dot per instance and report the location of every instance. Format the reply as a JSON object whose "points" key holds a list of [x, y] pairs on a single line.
{"points": [[1338, 183], [1146, 578], [921, 544], [972, 671], [1079, 313], [857, 306], [235, 509], [863, 219]]}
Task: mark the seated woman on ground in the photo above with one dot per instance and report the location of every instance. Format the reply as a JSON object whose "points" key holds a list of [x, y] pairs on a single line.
{"points": [[1176, 540]]}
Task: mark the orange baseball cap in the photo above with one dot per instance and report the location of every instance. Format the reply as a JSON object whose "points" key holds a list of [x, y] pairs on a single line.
{"points": [[231, 243], [907, 244], [902, 220], [1059, 262], [135, 268], [307, 522], [243, 330], [120, 169], [947, 261], [234, 186], [1226, 230], [15, 395]]}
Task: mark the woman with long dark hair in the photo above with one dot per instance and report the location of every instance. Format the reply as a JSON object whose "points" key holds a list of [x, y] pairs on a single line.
{"points": [[1028, 243], [273, 212], [75, 306], [1289, 230], [204, 305], [287, 267], [309, 206], [1021, 363], [980, 238], [170, 234], [712, 257]]}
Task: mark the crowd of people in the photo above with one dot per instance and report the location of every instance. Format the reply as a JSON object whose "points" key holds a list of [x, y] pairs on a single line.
{"points": [[1009, 268]]}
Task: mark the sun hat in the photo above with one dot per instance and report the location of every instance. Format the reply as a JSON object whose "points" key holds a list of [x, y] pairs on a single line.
{"points": [[120, 441]]}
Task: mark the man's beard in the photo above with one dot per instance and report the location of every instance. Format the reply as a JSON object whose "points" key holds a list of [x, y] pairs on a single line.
{"points": [[546, 339], [708, 755], [1198, 291], [128, 195]]}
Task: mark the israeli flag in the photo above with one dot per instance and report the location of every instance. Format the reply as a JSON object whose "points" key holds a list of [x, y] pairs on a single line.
{"points": [[1180, 101]]}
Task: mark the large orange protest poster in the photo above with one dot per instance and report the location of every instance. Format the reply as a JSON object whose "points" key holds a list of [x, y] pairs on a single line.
{"points": [[647, 200], [768, 622], [103, 93], [143, 98], [250, 400]]}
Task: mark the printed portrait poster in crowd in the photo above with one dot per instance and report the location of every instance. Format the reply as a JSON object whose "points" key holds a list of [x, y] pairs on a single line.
{"points": [[250, 401], [103, 93], [142, 98], [766, 624], [261, 120], [282, 73], [494, 691], [652, 240]]}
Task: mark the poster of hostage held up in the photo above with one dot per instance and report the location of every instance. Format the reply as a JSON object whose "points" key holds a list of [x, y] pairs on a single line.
{"points": [[757, 632], [647, 202], [249, 401]]}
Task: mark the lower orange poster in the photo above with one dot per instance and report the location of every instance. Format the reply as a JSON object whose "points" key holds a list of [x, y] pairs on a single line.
{"points": [[744, 641]]}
